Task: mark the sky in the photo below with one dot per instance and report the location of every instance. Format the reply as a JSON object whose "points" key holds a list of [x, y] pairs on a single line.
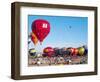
{"points": [[65, 31]]}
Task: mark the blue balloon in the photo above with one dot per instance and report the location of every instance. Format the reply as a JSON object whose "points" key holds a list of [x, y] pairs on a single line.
{"points": [[86, 51]]}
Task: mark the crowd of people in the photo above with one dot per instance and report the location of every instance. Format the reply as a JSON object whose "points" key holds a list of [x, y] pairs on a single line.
{"points": [[42, 61]]}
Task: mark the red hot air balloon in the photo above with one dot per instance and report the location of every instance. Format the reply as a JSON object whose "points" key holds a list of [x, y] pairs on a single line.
{"points": [[74, 51], [41, 29], [49, 51]]}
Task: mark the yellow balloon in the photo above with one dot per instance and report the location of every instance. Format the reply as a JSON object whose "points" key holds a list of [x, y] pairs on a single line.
{"points": [[81, 51], [33, 50]]}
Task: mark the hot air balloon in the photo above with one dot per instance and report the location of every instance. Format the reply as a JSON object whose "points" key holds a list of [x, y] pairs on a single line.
{"points": [[69, 52], [74, 51], [64, 51], [86, 49], [81, 51], [34, 38], [41, 29], [49, 51], [56, 51], [32, 52]]}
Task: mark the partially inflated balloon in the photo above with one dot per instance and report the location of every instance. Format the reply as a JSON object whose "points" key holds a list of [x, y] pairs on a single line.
{"points": [[34, 38], [86, 51], [41, 29], [48, 51], [32, 52], [74, 51], [81, 51]]}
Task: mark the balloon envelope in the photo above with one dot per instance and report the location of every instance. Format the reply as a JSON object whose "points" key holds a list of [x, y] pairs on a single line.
{"points": [[74, 51], [34, 38], [81, 51], [41, 28], [48, 51], [86, 51], [32, 52]]}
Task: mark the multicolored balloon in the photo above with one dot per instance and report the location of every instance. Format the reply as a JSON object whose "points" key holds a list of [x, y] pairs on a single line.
{"points": [[32, 52], [48, 51], [34, 38], [41, 29]]}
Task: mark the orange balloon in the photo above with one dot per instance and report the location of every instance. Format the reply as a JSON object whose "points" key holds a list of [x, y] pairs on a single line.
{"points": [[46, 50], [34, 38]]}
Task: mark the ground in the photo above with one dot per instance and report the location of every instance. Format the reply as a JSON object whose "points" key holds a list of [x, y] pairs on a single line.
{"points": [[58, 60]]}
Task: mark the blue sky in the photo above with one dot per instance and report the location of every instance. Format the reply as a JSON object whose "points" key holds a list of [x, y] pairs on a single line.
{"points": [[66, 31]]}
